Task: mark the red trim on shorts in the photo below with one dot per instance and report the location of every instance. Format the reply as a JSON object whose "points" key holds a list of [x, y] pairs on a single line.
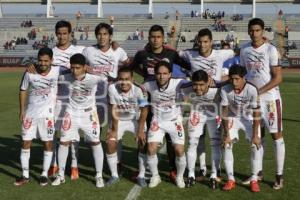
{"points": [[279, 115]]}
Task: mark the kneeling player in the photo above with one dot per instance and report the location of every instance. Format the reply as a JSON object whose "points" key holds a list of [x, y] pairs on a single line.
{"points": [[204, 110], [129, 106], [167, 118], [240, 110], [38, 119], [81, 114]]}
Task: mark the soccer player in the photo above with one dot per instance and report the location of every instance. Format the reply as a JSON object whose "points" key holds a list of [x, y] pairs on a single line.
{"points": [[204, 101], [240, 110], [211, 61], [81, 113], [264, 71], [61, 57], [37, 115], [129, 108], [105, 60], [144, 62], [167, 118]]}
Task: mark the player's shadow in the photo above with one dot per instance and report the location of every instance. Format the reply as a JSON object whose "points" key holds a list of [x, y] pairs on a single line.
{"points": [[10, 149]]}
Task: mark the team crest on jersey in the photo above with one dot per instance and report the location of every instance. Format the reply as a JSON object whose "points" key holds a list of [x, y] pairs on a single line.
{"points": [[66, 122], [27, 123], [194, 119], [154, 126], [94, 125], [49, 124]]}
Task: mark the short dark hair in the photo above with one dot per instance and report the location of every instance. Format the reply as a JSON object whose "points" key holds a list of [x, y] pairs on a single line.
{"points": [[163, 63], [125, 70], [200, 75], [204, 32], [103, 25], [45, 51], [63, 24], [237, 70], [256, 21], [155, 28], [78, 58]]}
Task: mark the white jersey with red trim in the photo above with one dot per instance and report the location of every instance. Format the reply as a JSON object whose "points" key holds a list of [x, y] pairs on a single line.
{"points": [[61, 58], [240, 104], [206, 103], [42, 91], [212, 64], [259, 62], [105, 62], [128, 104], [81, 92], [163, 100]]}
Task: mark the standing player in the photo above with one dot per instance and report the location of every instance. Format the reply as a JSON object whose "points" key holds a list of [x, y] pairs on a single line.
{"points": [[105, 60], [262, 62], [37, 116], [240, 110], [204, 111], [211, 61], [129, 108], [81, 114], [144, 62], [61, 57], [166, 117]]}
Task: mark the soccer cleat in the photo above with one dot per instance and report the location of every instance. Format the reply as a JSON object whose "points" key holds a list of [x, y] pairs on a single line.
{"points": [[74, 173], [180, 182], [172, 176], [213, 183], [43, 181], [259, 178], [154, 181], [58, 180], [21, 181], [254, 186], [113, 180], [53, 171], [190, 182], [219, 177], [141, 182], [230, 184], [99, 182], [202, 174], [278, 182]]}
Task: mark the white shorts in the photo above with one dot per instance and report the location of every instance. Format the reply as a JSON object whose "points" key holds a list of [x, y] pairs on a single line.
{"points": [[85, 120], [123, 126], [42, 128], [236, 124], [272, 114], [174, 128], [196, 124]]}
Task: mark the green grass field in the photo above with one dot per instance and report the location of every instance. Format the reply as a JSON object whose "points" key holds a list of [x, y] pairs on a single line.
{"points": [[84, 188]]}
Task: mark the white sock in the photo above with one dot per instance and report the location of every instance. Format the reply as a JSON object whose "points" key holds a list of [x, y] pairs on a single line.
{"points": [[262, 151], [55, 151], [191, 157], [98, 158], [47, 162], [142, 164], [279, 155], [215, 145], [74, 154], [112, 160], [180, 165], [201, 152], [24, 157], [63, 152], [228, 161], [255, 161], [152, 162]]}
